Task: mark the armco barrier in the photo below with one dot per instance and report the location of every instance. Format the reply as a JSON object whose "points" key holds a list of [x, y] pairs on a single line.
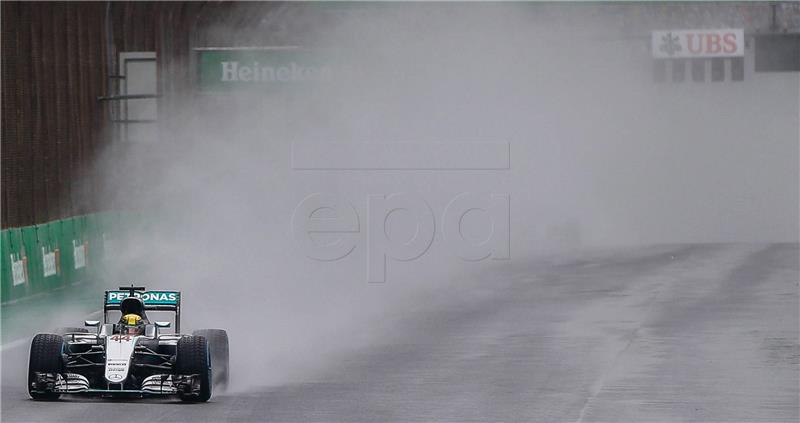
{"points": [[45, 257]]}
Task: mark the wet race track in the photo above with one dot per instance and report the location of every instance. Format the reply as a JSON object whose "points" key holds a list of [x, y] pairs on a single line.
{"points": [[701, 333]]}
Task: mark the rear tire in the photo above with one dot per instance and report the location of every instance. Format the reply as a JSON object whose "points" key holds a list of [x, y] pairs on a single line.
{"points": [[220, 355], [45, 357], [193, 357]]}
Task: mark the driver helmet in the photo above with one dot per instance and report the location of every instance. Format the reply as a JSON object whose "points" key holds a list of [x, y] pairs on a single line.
{"points": [[131, 324]]}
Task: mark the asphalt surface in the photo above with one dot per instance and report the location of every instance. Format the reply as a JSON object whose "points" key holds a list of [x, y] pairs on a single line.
{"points": [[683, 333]]}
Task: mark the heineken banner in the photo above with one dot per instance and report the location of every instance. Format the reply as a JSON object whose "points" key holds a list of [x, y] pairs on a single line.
{"points": [[225, 69]]}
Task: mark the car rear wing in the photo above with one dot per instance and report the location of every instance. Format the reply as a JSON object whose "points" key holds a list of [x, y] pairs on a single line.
{"points": [[152, 300]]}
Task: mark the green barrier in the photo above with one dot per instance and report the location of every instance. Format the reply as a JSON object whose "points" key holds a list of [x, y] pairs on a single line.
{"points": [[50, 256], [48, 238], [5, 261], [66, 249], [33, 260], [15, 255], [94, 237], [79, 258]]}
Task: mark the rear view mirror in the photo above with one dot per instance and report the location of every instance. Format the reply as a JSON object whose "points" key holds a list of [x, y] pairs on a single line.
{"points": [[163, 324], [91, 322]]}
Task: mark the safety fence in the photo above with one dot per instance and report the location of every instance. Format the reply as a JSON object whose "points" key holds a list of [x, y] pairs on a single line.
{"points": [[42, 258]]}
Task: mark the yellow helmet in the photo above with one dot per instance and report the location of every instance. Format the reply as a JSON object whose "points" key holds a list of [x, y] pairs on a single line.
{"points": [[131, 319]]}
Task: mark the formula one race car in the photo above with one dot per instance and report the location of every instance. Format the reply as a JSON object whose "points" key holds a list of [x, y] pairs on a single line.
{"points": [[130, 357]]}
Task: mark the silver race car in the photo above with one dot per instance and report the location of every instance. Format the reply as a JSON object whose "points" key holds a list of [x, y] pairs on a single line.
{"points": [[130, 357]]}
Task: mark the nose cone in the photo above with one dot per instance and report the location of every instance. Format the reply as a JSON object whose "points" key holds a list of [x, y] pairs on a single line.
{"points": [[119, 350]]}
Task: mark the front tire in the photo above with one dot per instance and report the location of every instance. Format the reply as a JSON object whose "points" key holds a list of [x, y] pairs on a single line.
{"points": [[220, 353], [194, 358], [45, 357]]}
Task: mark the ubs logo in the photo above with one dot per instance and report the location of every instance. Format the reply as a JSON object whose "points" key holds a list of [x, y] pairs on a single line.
{"points": [[670, 44]]}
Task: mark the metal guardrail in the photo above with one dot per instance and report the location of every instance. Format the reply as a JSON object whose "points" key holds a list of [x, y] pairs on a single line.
{"points": [[127, 97]]}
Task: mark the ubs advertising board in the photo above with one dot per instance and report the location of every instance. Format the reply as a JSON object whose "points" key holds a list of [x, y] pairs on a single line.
{"points": [[261, 68], [698, 43]]}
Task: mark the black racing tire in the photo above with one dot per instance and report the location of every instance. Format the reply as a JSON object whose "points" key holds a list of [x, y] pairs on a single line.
{"points": [[65, 330], [45, 357], [220, 355], [194, 357]]}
